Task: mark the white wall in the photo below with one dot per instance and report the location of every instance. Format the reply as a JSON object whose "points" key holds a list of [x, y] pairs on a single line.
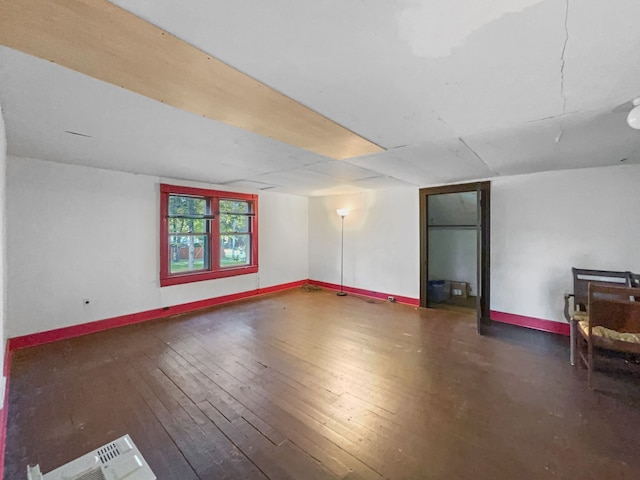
{"points": [[544, 224], [79, 233], [541, 226], [381, 244], [283, 238]]}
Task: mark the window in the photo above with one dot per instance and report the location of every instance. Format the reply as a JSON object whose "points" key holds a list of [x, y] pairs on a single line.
{"points": [[206, 234]]}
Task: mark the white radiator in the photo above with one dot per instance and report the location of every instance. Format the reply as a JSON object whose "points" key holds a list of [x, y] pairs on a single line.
{"points": [[118, 460]]}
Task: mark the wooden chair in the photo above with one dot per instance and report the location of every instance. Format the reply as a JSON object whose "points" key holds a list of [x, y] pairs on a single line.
{"points": [[579, 310], [613, 323]]}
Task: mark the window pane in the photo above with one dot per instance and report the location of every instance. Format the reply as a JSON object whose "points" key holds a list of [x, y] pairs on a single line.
{"points": [[234, 206], [230, 223], [235, 250], [187, 206], [234, 223], [187, 225], [188, 253]]}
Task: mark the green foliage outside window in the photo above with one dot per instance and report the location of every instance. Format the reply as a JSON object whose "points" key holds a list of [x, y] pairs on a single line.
{"points": [[187, 206]]}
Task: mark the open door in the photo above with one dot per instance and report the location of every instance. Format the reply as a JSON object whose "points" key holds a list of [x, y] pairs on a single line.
{"points": [[454, 245], [483, 319]]}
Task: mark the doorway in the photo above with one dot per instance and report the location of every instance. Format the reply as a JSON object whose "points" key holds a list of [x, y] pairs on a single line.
{"points": [[454, 249]]}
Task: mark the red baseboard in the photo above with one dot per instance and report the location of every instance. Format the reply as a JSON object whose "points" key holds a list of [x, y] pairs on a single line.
{"points": [[4, 415], [368, 293], [49, 336], [531, 322]]}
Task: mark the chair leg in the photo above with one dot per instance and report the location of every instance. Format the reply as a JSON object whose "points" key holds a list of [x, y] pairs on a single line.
{"points": [[589, 364], [573, 340]]}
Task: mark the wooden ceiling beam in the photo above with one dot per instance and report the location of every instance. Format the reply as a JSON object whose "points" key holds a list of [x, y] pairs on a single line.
{"points": [[104, 41]]}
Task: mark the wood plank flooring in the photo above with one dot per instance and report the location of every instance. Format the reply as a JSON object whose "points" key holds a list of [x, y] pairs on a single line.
{"points": [[308, 385]]}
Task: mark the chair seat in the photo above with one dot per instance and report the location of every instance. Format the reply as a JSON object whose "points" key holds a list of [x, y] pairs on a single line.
{"points": [[607, 333], [580, 316]]}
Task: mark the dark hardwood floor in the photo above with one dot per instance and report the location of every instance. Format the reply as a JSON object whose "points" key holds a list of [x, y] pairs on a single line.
{"points": [[308, 385]]}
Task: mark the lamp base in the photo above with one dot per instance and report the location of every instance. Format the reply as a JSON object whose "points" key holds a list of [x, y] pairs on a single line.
{"points": [[341, 294]]}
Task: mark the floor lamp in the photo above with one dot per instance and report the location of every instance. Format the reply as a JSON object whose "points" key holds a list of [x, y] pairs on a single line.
{"points": [[343, 212]]}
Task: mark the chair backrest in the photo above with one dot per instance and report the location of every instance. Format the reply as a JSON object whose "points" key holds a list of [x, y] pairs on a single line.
{"points": [[582, 278], [614, 307]]}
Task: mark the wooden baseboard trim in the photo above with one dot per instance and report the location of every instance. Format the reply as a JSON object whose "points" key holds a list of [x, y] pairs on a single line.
{"points": [[531, 322], [367, 293], [63, 333]]}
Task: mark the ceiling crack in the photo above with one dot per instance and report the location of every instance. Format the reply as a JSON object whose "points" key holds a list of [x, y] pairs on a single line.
{"points": [[562, 59], [478, 156], [550, 117], [443, 121]]}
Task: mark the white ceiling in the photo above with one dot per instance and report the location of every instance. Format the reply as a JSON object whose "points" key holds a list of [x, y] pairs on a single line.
{"points": [[455, 90]]}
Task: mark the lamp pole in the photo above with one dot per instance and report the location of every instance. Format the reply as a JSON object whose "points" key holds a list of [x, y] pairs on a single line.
{"points": [[343, 212]]}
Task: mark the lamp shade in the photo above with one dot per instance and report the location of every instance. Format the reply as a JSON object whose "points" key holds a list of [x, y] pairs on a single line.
{"points": [[343, 212], [633, 119]]}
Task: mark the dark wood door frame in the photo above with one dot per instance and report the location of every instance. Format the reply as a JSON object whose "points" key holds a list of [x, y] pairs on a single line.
{"points": [[484, 193]]}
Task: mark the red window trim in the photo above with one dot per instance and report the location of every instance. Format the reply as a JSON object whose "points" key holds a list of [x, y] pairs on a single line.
{"points": [[167, 279]]}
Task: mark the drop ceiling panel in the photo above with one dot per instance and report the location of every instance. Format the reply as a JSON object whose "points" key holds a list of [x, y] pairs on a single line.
{"points": [[380, 182], [576, 141], [506, 72], [342, 171], [297, 180], [300, 182], [339, 189], [428, 164], [602, 68], [307, 182]]}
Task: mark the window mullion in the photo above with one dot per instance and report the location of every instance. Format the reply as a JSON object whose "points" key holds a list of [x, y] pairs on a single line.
{"points": [[165, 260], [215, 234]]}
